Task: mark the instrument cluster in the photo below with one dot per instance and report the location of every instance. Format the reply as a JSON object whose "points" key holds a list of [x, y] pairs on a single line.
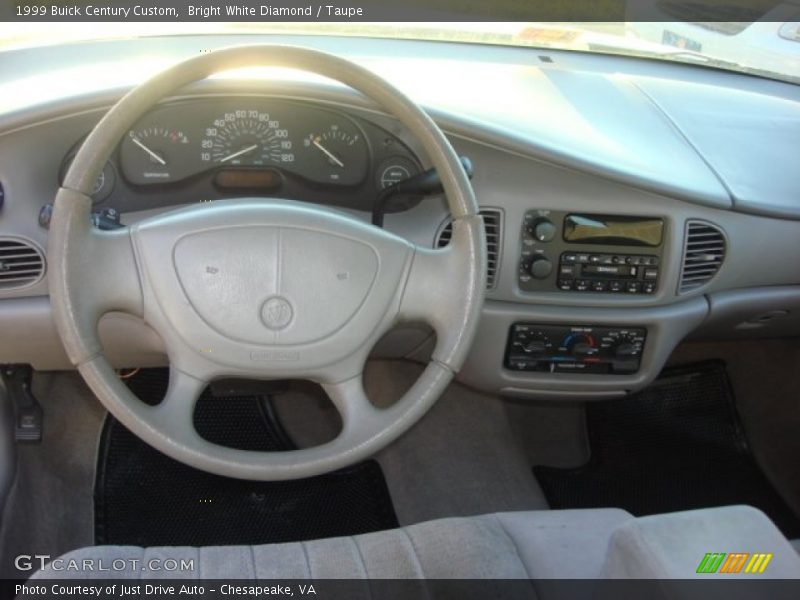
{"points": [[214, 148]]}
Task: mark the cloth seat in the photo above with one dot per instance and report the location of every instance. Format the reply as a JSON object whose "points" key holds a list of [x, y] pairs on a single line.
{"points": [[520, 545], [537, 545]]}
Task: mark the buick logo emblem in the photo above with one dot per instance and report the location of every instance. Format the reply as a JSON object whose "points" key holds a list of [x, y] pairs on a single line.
{"points": [[276, 313]]}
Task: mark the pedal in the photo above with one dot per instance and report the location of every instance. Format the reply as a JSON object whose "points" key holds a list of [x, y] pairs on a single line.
{"points": [[28, 413]]}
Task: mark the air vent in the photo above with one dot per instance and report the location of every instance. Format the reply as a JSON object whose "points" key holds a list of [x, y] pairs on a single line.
{"points": [[702, 255], [493, 222], [21, 263]]}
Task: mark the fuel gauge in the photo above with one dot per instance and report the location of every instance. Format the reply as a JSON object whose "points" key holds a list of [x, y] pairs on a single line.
{"points": [[337, 154]]}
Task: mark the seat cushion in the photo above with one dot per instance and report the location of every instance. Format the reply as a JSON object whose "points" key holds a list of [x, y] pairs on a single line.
{"points": [[522, 545], [674, 546]]}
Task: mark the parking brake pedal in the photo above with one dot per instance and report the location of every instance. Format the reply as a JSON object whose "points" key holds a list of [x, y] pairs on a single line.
{"points": [[28, 414]]}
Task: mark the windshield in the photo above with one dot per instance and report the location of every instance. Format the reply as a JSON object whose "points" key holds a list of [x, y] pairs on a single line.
{"points": [[769, 48]]}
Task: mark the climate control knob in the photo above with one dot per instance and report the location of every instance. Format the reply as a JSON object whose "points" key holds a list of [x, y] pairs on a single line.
{"points": [[540, 267], [544, 230], [582, 349], [536, 346], [626, 350]]}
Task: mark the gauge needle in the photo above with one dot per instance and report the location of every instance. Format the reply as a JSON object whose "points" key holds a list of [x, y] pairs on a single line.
{"points": [[239, 153], [155, 156], [328, 153]]}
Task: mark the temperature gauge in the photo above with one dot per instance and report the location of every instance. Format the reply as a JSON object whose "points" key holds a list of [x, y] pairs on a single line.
{"points": [[153, 154]]}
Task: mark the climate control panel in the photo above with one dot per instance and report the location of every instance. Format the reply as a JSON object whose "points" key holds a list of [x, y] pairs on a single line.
{"points": [[574, 348]]}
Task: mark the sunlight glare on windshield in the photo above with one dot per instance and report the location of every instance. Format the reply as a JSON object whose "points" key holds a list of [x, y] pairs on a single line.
{"points": [[764, 48]]}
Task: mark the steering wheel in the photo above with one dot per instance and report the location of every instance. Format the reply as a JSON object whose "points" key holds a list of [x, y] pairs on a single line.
{"points": [[263, 288]]}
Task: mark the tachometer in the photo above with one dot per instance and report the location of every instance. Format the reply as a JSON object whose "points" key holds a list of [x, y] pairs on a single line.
{"points": [[246, 138]]}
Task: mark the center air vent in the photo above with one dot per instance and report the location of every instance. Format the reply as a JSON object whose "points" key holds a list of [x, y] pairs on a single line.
{"points": [[702, 255], [21, 263], [492, 221]]}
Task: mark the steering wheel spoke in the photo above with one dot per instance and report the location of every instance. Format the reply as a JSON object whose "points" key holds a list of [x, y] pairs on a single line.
{"points": [[350, 399], [434, 275], [99, 275], [176, 410]]}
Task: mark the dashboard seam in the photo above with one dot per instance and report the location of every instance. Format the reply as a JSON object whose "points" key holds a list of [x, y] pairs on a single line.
{"points": [[660, 109]]}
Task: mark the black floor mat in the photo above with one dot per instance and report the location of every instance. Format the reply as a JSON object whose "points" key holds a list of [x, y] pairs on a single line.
{"points": [[677, 445], [145, 498]]}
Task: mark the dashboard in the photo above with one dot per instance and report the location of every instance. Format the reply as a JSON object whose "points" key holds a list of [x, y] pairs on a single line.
{"points": [[213, 148], [624, 211]]}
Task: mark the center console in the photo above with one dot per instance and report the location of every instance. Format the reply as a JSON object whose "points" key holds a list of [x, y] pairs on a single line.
{"points": [[572, 252], [584, 253]]}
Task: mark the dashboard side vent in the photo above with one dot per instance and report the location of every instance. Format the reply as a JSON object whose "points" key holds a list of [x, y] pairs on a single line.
{"points": [[493, 223], [703, 254], [21, 263]]}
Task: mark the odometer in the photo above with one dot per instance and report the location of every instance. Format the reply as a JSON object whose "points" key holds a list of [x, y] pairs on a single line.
{"points": [[246, 138]]}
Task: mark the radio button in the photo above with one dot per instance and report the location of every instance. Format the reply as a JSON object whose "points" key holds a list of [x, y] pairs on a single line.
{"points": [[648, 287], [581, 285], [615, 286], [567, 270], [599, 286], [565, 284], [569, 258], [582, 258], [651, 273], [633, 287]]}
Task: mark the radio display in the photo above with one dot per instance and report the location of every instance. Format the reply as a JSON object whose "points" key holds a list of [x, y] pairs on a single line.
{"points": [[613, 230]]}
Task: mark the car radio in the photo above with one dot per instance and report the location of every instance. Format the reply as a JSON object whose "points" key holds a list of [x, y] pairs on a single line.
{"points": [[574, 348], [590, 253]]}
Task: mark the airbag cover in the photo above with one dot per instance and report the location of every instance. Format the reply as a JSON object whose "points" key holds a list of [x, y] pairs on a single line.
{"points": [[272, 285]]}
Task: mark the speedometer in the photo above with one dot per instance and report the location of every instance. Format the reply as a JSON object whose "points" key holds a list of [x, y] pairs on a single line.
{"points": [[246, 138]]}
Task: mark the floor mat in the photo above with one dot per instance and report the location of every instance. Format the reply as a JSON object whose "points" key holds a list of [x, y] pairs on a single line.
{"points": [[677, 445], [145, 498]]}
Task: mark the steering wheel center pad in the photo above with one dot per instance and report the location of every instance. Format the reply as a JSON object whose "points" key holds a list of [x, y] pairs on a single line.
{"points": [[269, 288]]}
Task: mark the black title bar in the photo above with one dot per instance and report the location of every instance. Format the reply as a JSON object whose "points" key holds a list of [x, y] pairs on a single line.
{"points": [[385, 10]]}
